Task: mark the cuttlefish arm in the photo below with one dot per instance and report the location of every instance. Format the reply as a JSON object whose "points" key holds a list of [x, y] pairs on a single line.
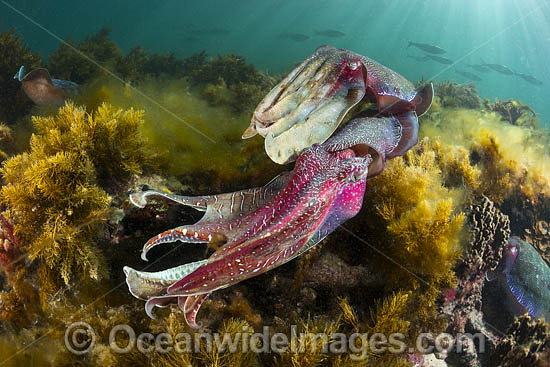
{"points": [[152, 287], [223, 213], [300, 215], [325, 189]]}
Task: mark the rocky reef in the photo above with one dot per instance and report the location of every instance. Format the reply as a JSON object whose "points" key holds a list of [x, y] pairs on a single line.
{"points": [[416, 259]]}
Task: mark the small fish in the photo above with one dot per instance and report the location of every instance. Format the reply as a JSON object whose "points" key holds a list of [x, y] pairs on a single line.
{"points": [[42, 89], [419, 58], [526, 278], [440, 59], [330, 33], [479, 67], [427, 48], [529, 78], [297, 37], [499, 68], [469, 75]]}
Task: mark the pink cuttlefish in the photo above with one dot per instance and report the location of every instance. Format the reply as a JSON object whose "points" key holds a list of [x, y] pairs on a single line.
{"points": [[268, 226]]}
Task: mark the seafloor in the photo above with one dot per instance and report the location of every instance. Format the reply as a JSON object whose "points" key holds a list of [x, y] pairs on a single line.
{"points": [[420, 256]]}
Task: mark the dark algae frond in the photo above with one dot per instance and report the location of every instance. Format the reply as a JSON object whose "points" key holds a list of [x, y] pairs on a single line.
{"points": [[66, 63], [514, 112], [13, 53]]}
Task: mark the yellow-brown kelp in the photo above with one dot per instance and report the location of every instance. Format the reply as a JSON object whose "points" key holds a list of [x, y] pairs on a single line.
{"points": [[199, 142], [53, 195], [513, 112]]}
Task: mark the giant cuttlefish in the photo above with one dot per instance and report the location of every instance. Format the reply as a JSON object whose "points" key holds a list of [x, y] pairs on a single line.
{"points": [[526, 278], [268, 226], [42, 89]]}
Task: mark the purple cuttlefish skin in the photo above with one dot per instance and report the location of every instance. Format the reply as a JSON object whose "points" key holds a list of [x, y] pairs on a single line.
{"points": [[43, 90], [269, 226]]}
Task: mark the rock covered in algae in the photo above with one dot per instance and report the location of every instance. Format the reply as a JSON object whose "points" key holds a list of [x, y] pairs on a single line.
{"points": [[539, 237], [527, 343], [513, 111]]}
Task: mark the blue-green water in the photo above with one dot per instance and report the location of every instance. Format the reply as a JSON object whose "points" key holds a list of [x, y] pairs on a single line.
{"points": [[515, 33]]}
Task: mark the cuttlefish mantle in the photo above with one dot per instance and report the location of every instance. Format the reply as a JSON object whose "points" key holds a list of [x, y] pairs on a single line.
{"points": [[43, 90]]}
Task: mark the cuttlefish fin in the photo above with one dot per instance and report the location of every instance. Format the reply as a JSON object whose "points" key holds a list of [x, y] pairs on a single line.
{"points": [[409, 134], [39, 87], [38, 75], [423, 99], [19, 74]]}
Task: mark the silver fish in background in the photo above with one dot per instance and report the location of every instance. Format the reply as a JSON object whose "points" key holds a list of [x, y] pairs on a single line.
{"points": [[419, 58], [529, 79], [527, 279], [333, 33], [479, 67], [432, 49], [43, 90], [296, 37], [440, 59], [468, 75], [503, 69]]}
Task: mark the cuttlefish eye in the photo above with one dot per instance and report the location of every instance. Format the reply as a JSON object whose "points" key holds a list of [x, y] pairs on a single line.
{"points": [[352, 64]]}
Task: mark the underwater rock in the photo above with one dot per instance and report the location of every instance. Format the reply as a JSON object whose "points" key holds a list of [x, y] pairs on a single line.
{"points": [[527, 343], [43, 90], [307, 106], [527, 279], [489, 232], [539, 237], [330, 271]]}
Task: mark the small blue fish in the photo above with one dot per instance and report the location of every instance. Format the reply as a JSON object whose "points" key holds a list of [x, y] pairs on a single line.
{"points": [[527, 279], [43, 90]]}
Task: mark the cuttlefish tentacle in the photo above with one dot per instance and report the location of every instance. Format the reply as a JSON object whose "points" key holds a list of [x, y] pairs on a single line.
{"points": [[295, 219]]}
